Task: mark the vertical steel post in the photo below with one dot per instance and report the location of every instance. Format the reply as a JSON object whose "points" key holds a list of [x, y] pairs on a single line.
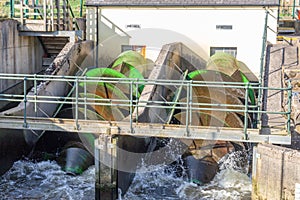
{"points": [[25, 102], [21, 12], [26, 10], [131, 104], [45, 14], [293, 10], [190, 104], [76, 104], [97, 35], [246, 111], [81, 8], [35, 93], [85, 98], [261, 73], [35, 4], [105, 168], [187, 121], [137, 100], [12, 9], [289, 108], [97, 169]]}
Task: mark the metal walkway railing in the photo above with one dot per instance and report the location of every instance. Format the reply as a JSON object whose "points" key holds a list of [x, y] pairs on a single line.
{"points": [[51, 15], [133, 123]]}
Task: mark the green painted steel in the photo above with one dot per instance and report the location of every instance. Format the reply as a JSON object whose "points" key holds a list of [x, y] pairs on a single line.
{"points": [[104, 72], [131, 72], [133, 58]]}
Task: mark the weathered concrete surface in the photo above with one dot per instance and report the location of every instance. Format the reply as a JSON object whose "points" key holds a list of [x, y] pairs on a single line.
{"points": [[12, 147], [290, 72], [14, 144], [276, 170], [108, 37], [66, 63], [272, 99], [18, 55]]}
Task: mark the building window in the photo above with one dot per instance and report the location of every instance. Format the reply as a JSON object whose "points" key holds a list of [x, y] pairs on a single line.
{"points": [[139, 48], [224, 27], [230, 50]]}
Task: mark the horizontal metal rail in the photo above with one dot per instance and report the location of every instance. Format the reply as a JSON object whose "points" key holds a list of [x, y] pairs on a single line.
{"points": [[81, 99]]}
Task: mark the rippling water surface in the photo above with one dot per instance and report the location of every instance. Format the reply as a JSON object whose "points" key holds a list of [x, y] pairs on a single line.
{"points": [[45, 180]]}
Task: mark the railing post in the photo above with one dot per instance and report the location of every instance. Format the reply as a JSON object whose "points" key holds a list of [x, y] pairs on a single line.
{"points": [[68, 15], [35, 10], [246, 111], [293, 10], [21, 12], [76, 104], [57, 2], [26, 10], [190, 104], [45, 14], [81, 8], [136, 101], [35, 93], [52, 15], [289, 108], [106, 163], [12, 8], [85, 99], [25, 102], [187, 117], [131, 104]]}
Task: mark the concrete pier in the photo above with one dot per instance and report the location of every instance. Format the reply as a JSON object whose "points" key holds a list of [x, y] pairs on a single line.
{"points": [[276, 172]]}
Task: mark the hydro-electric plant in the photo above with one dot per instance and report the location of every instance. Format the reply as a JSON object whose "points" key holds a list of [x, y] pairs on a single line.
{"points": [[214, 103], [137, 111]]}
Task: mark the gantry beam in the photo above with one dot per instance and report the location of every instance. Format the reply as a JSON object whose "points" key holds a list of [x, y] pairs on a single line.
{"points": [[279, 136]]}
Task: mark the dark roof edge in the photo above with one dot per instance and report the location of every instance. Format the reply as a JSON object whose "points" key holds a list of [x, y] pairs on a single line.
{"points": [[177, 5]]}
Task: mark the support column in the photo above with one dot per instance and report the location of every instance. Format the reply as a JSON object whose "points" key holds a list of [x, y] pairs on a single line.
{"points": [[105, 168]]}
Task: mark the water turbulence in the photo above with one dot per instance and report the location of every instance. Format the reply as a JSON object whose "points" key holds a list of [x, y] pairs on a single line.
{"points": [[45, 180]]}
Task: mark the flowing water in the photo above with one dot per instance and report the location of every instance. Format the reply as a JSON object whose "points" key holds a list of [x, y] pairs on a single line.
{"points": [[45, 180]]}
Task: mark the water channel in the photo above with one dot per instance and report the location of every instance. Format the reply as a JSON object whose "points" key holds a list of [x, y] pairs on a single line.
{"points": [[45, 180]]}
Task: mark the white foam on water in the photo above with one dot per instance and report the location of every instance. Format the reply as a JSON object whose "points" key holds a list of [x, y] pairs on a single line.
{"points": [[45, 180], [231, 183]]}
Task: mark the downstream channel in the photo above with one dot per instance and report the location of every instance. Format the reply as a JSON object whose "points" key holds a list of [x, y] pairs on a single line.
{"points": [[46, 180]]}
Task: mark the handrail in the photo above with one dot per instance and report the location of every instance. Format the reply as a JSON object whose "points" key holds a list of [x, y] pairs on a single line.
{"points": [[72, 14], [44, 9], [288, 11], [189, 106]]}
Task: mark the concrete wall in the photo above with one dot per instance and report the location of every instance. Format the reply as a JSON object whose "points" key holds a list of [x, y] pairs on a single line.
{"points": [[110, 37], [276, 170], [18, 54], [196, 28]]}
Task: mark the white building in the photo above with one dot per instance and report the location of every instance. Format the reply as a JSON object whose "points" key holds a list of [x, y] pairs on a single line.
{"points": [[206, 26]]}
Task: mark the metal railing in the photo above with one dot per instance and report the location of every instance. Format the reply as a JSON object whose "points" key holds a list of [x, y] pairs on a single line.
{"points": [[56, 15], [289, 11], [81, 101]]}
